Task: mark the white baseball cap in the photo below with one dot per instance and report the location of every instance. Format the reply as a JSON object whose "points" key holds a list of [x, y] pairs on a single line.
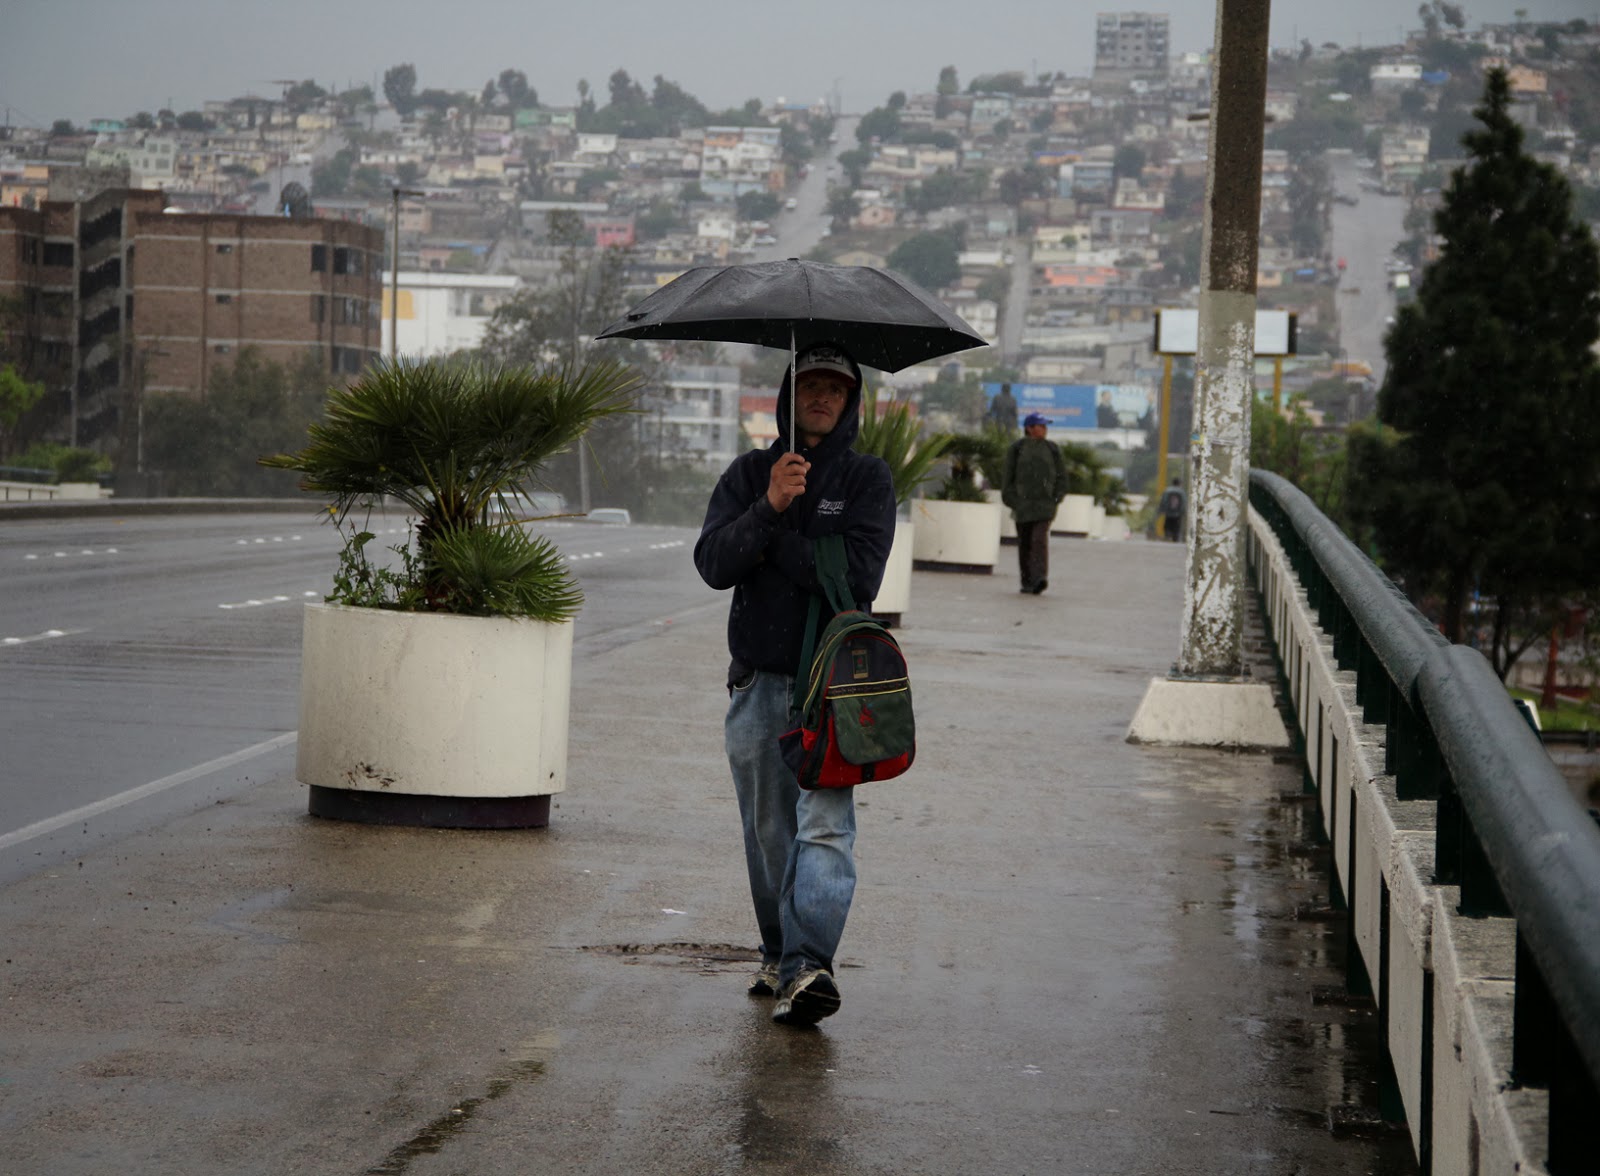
{"points": [[825, 357]]}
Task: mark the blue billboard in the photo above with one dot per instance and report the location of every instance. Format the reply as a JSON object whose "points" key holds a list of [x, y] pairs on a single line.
{"points": [[1083, 406]]}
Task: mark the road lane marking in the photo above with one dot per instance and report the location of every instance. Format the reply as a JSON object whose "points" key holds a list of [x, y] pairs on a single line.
{"points": [[45, 636], [265, 600], [61, 821], [70, 554]]}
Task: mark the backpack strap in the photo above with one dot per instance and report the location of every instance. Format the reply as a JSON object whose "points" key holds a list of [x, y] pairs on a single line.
{"points": [[832, 574]]}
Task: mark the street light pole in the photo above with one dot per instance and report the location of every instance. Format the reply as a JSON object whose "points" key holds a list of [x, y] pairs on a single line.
{"points": [[394, 272]]}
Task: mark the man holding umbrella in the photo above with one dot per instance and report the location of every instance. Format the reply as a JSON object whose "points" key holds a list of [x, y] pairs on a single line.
{"points": [[769, 508]]}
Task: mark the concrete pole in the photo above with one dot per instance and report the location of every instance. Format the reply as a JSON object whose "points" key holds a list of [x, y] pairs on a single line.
{"points": [[1213, 603]]}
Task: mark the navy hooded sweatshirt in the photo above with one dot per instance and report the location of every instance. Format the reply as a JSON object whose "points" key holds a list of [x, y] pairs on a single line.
{"points": [[767, 558]]}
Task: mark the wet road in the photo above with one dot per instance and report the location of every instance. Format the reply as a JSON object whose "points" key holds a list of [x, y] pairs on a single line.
{"points": [[135, 649], [1068, 954]]}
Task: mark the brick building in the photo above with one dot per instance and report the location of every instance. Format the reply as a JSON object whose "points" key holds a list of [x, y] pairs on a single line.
{"points": [[205, 286], [108, 295]]}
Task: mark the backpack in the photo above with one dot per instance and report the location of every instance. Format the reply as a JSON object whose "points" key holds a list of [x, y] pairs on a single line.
{"points": [[1172, 503], [854, 697]]}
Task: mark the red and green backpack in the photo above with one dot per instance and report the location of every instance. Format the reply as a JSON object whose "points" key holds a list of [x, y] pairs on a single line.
{"points": [[853, 694]]}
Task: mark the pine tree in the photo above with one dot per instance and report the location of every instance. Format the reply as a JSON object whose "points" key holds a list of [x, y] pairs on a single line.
{"points": [[1491, 476]]}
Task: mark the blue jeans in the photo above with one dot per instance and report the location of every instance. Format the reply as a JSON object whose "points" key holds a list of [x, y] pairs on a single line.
{"points": [[798, 845]]}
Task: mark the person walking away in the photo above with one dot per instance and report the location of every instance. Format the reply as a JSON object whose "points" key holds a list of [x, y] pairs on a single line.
{"points": [[767, 512], [1172, 504], [1003, 410], [1034, 484]]}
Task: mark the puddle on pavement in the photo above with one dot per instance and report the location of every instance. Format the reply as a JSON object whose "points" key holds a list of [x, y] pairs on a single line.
{"points": [[433, 1138], [1325, 1062]]}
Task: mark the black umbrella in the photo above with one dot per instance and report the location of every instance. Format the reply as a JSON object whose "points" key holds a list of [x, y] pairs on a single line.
{"points": [[883, 320]]}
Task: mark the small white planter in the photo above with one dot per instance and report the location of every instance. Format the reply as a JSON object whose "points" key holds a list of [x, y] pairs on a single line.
{"points": [[956, 536], [1008, 521], [1075, 515], [433, 719], [894, 594], [1097, 521]]}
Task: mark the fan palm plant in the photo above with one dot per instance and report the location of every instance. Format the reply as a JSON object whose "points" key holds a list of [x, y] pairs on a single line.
{"points": [[896, 436], [450, 442]]}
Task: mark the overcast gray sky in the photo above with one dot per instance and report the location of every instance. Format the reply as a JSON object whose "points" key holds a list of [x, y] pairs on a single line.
{"points": [[80, 59]]}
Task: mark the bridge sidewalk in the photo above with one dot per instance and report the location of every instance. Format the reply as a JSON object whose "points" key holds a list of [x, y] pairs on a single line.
{"points": [[1068, 954]]}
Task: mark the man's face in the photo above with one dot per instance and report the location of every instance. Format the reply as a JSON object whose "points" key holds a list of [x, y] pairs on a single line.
{"points": [[820, 400], [1035, 430]]}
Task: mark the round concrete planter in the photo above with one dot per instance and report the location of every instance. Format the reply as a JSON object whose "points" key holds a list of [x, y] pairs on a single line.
{"points": [[1008, 522], [1075, 515], [956, 536], [894, 594], [433, 719]]}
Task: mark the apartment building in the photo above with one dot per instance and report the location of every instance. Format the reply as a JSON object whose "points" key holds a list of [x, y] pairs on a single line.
{"points": [[206, 286], [439, 314], [1129, 45], [115, 295], [694, 416]]}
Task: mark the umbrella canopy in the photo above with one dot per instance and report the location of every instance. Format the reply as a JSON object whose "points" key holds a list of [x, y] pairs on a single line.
{"points": [[884, 321]]}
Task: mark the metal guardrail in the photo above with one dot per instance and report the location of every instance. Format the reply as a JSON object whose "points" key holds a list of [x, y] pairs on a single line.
{"points": [[1509, 832]]}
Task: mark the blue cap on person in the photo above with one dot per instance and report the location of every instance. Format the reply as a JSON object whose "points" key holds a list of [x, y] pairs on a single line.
{"points": [[1034, 418]]}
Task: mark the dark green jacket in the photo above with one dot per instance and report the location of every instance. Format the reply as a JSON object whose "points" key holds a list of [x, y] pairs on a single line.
{"points": [[1035, 479]]}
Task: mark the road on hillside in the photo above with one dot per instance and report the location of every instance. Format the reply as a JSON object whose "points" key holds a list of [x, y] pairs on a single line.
{"points": [[799, 229], [138, 648], [1364, 234]]}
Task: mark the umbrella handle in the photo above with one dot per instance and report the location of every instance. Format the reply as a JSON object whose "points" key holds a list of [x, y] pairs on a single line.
{"points": [[794, 402]]}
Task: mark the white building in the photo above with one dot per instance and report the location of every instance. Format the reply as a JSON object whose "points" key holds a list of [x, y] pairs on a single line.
{"points": [[441, 313], [695, 417]]}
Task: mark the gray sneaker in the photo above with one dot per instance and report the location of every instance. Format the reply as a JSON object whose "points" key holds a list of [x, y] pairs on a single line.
{"points": [[764, 982], [810, 996]]}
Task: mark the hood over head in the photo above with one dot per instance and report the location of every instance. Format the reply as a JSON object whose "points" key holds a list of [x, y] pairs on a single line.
{"points": [[834, 358]]}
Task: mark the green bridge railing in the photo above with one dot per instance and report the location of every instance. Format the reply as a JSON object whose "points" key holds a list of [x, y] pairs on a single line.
{"points": [[1509, 832]]}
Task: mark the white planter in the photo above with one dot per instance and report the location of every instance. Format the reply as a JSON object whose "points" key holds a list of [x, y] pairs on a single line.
{"points": [[1115, 528], [428, 718], [894, 594], [1075, 515], [956, 536], [1008, 521], [1097, 521]]}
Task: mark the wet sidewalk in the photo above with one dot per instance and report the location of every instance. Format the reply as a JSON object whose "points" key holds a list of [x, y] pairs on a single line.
{"points": [[1068, 954]]}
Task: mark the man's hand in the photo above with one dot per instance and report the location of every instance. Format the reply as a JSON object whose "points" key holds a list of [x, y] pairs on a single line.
{"points": [[788, 481]]}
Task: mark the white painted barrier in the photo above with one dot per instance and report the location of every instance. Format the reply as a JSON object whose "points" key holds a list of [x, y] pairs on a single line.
{"points": [[1443, 983]]}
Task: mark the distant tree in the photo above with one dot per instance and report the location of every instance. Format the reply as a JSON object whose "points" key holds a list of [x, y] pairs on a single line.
{"points": [[794, 147], [754, 206], [1310, 193], [842, 206], [193, 120], [303, 95], [400, 88], [1489, 477], [331, 177], [514, 88], [822, 129], [855, 162], [253, 407], [625, 91], [143, 121], [879, 123], [1028, 182], [487, 97], [17, 396], [1128, 162], [947, 81], [1002, 130], [62, 127], [1010, 82], [929, 259], [897, 101]]}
